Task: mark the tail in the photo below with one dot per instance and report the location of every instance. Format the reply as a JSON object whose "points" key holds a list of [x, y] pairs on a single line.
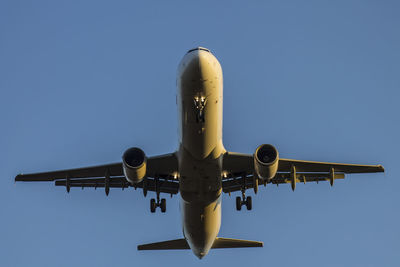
{"points": [[219, 242]]}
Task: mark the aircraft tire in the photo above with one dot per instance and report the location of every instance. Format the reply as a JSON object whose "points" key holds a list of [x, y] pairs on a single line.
{"points": [[238, 203], [249, 203], [163, 205], [152, 205]]}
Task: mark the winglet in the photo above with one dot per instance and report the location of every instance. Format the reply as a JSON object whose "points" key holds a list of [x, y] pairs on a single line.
{"points": [[381, 168]]}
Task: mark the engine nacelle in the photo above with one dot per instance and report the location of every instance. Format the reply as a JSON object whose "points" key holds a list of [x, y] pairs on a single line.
{"points": [[134, 162], [266, 159]]}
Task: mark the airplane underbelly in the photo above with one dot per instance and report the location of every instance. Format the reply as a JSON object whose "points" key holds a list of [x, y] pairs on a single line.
{"points": [[199, 102], [201, 133], [200, 105]]}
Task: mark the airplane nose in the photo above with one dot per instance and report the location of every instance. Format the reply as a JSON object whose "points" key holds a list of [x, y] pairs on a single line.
{"points": [[199, 64], [198, 57]]}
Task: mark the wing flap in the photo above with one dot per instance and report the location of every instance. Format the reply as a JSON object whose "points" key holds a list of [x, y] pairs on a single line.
{"points": [[235, 184], [119, 182], [165, 186]]}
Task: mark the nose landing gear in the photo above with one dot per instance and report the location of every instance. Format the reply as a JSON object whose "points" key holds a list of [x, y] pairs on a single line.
{"points": [[200, 103]]}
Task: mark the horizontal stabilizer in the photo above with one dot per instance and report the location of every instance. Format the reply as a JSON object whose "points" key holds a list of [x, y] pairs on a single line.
{"points": [[235, 243], [218, 243], [170, 244]]}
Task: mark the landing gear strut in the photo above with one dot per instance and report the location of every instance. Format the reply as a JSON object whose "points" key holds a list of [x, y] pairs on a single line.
{"points": [[154, 204], [241, 201]]}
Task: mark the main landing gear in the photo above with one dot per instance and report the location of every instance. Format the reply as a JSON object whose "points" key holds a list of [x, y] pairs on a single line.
{"points": [[154, 204], [241, 201], [162, 204]]}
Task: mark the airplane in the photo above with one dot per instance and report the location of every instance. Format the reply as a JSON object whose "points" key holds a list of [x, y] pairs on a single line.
{"points": [[201, 169]]}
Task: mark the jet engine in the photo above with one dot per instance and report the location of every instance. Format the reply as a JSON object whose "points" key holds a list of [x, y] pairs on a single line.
{"points": [[266, 159], [134, 163]]}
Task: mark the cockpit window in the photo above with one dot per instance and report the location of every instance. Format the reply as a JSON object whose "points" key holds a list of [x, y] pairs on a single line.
{"points": [[199, 48]]}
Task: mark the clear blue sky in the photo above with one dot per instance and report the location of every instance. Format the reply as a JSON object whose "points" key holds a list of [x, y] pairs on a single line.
{"points": [[81, 82]]}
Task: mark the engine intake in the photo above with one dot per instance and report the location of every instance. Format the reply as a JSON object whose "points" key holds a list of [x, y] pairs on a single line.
{"points": [[266, 159], [134, 163]]}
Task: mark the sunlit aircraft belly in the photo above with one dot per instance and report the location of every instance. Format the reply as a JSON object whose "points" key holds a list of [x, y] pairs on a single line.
{"points": [[199, 102]]}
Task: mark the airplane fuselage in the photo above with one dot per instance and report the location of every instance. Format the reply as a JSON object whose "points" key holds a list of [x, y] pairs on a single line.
{"points": [[199, 100]]}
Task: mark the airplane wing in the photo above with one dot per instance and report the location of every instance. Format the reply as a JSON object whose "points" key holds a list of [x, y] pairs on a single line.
{"points": [[160, 173], [239, 172], [315, 166]]}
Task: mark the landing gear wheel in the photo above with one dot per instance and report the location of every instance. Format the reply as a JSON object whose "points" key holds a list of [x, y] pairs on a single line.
{"points": [[163, 205], [153, 205], [238, 203], [248, 203]]}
